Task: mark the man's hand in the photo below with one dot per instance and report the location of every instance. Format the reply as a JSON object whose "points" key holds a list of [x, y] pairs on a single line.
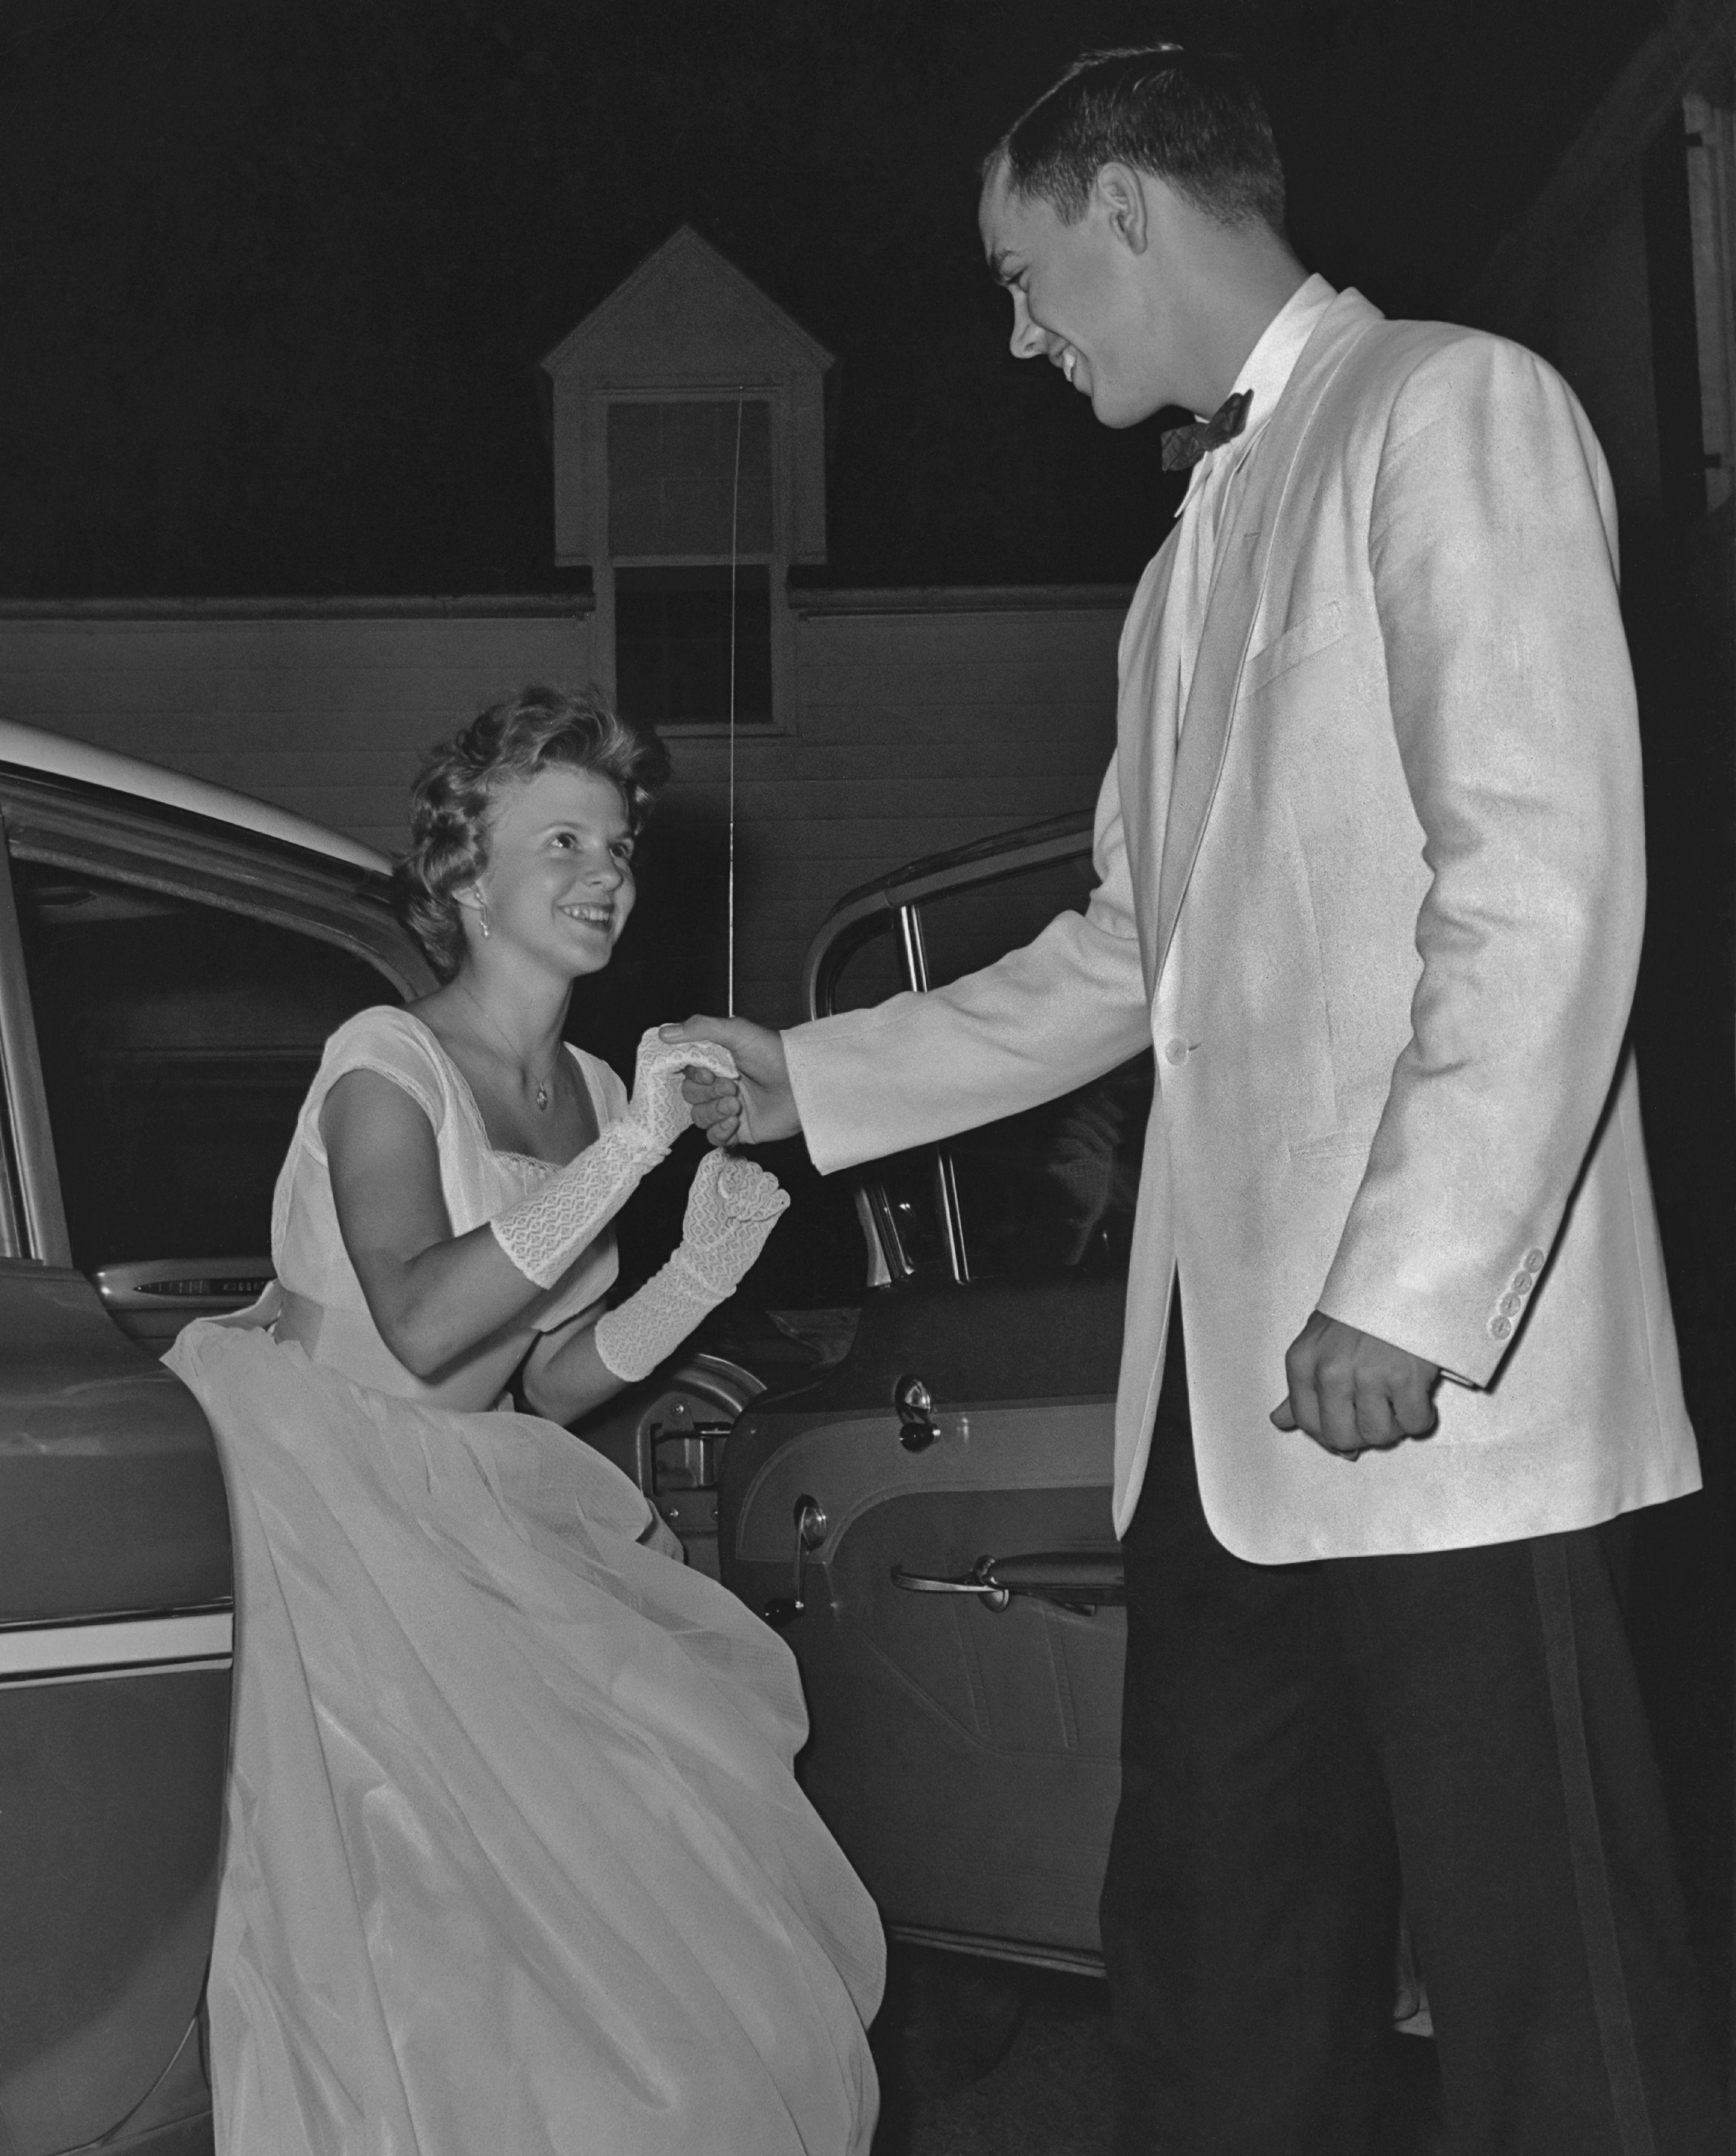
{"points": [[1354, 1393], [753, 1108]]}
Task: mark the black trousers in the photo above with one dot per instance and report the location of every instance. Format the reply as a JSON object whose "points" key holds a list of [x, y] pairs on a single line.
{"points": [[1304, 1744]]}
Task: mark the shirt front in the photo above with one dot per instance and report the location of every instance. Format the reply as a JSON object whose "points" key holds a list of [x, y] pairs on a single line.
{"points": [[1214, 488]]}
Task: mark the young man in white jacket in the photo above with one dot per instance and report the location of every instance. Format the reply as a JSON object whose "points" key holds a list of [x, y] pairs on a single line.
{"points": [[1372, 886]]}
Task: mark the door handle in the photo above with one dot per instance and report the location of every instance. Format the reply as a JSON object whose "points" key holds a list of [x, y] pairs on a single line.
{"points": [[166, 1283], [976, 1582], [809, 1515], [1083, 1580]]}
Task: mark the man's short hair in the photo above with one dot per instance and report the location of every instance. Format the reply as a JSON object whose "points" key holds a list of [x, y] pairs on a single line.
{"points": [[1195, 120]]}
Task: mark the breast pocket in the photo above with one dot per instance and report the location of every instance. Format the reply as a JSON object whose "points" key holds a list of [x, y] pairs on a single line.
{"points": [[1314, 633]]}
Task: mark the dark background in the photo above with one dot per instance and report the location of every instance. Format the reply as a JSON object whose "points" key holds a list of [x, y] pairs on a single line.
{"points": [[276, 274]]}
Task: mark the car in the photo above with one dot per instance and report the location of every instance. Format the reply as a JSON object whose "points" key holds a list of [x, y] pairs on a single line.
{"points": [[171, 958], [915, 1381]]}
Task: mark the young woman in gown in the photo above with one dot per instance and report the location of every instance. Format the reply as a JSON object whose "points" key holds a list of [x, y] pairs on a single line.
{"points": [[514, 1858]]}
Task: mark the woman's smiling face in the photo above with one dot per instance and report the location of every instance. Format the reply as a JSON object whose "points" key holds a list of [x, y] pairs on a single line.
{"points": [[558, 883]]}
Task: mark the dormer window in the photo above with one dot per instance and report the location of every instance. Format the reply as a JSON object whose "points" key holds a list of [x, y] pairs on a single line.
{"points": [[689, 434], [690, 519]]}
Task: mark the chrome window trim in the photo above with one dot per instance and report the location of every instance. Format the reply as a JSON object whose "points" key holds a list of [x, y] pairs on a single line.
{"points": [[893, 903], [36, 1224], [173, 853], [115, 1646]]}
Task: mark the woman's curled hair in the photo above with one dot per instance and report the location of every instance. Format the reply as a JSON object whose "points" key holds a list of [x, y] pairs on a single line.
{"points": [[463, 778]]}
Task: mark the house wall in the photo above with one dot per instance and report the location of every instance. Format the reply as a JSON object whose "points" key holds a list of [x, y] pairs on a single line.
{"points": [[320, 709], [923, 720]]}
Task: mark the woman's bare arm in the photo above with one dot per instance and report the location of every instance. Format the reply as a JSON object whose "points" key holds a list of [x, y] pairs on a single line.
{"points": [[435, 1296], [565, 1376]]}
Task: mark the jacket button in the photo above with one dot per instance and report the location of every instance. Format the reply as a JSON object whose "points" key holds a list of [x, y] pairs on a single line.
{"points": [[1533, 1261], [1175, 1051], [1513, 1305], [1522, 1283], [1500, 1326]]}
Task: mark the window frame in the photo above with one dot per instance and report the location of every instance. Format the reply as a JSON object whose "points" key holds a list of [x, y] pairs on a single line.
{"points": [[178, 854], [893, 905], [776, 563]]}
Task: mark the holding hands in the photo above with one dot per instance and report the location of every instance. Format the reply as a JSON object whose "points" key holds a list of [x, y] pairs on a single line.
{"points": [[661, 1072], [737, 1083], [731, 1209]]}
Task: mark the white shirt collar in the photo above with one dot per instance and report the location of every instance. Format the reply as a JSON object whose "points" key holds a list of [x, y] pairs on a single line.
{"points": [[1266, 370]]}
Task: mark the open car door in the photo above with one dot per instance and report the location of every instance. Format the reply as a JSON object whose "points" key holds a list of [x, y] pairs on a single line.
{"points": [[165, 986], [930, 1520]]}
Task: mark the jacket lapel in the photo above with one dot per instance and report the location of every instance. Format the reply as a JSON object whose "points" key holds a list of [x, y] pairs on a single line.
{"points": [[1239, 577]]}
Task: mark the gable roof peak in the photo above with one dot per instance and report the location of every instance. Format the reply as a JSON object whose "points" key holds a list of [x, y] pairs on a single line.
{"points": [[686, 258]]}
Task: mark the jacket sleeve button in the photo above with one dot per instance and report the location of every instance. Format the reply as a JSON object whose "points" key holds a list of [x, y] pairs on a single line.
{"points": [[1512, 1305], [1533, 1261], [1522, 1283], [1500, 1326]]}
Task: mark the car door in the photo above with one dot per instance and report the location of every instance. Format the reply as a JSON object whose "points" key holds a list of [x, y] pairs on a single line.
{"points": [[165, 986], [930, 1519]]}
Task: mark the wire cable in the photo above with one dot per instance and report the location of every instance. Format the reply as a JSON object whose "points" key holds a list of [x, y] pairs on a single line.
{"points": [[734, 525]]}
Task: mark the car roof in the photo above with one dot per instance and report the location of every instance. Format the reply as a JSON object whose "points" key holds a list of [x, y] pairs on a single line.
{"points": [[58, 756]]}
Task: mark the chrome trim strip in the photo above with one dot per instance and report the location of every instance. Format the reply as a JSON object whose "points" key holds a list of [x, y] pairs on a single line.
{"points": [[27, 1104], [222, 1663], [118, 1644]]}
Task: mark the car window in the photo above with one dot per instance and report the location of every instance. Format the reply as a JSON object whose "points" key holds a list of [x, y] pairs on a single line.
{"points": [[1054, 1187], [903, 1186], [965, 929], [177, 1041]]}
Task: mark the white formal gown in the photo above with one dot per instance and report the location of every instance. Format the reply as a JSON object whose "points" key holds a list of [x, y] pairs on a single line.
{"points": [[515, 1863]]}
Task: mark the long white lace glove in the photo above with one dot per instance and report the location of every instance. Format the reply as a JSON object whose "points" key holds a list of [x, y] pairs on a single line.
{"points": [[544, 1233], [731, 1209]]}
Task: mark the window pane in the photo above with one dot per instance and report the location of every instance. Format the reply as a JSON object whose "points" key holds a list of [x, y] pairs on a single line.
{"points": [[672, 644], [178, 1041], [871, 974], [907, 1181], [674, 484], [964, 930], [1055, 1186]]}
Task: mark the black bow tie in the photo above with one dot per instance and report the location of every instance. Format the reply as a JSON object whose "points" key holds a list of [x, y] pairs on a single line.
{"points": [[1185, 446]]}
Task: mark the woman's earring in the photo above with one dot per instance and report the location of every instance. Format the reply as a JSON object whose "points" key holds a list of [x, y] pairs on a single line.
{"points": [[482, 904]]}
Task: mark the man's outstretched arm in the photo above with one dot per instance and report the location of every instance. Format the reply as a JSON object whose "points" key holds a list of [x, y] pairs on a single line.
{"points": [[1059, 1012]]}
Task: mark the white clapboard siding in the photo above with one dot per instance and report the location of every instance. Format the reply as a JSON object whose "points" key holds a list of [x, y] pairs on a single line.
{"points": [[922, 721]]}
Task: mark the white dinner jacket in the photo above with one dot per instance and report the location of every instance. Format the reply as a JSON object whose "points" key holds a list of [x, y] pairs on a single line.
{"points": [[1379, 913]]}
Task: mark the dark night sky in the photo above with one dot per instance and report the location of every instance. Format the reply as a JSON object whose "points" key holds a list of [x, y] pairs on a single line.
{"points": [[275, 275]]}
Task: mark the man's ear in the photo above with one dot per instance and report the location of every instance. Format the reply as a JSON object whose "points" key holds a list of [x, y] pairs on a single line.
{"points": [[1121, 199]]}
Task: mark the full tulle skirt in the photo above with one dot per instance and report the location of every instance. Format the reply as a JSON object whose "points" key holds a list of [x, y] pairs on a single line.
{"points": [[514, 1858]]}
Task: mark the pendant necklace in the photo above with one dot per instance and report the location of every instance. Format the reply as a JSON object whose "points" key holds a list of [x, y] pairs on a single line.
{"points": [[542, 1084]]}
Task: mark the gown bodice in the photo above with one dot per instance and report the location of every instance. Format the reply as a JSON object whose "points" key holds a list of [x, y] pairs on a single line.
{"points": [[324, 1307]]}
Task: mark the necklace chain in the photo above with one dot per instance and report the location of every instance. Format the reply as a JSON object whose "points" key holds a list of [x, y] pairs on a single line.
{"points": [[542, 1084]]}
